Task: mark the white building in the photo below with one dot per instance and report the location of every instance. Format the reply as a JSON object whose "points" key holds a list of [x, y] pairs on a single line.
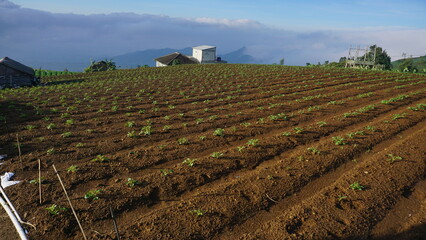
{"points": [[204, 54]]}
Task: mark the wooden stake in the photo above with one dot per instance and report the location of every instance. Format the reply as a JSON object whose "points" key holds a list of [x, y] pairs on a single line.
{"points": [[69, 201], [39, 179], [19, 150], [115, 223]]}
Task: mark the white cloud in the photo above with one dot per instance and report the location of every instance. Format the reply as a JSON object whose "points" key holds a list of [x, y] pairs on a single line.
{"points": [[33, 36]]}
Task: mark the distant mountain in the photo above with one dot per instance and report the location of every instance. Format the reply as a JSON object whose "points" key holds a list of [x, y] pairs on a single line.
{"points": [[239, 56], [146, 57]]}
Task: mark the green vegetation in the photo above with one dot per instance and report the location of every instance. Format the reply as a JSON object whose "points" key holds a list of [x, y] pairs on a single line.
{"points": [[93, 194], [356, 186], [55, 209], [132, 182], [392, 158]]}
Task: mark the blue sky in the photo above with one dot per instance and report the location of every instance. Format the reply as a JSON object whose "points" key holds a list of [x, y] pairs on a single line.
{"points": [[306, 14], [68, 32]]}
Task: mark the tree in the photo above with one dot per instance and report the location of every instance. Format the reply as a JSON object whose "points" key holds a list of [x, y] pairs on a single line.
{"points": [[382, 57], [407, 66], [105, 65], [282, 61]]}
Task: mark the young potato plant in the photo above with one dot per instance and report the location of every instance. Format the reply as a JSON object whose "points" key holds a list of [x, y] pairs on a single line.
{"points": [[183, 141], [72, 169], [100, 158], [216, 155], [314, 150], [392, 158], [338, 140], [93, 194], [132, 182], [166, 172], [190, 162], [55, 209], [253, 142], [356, 186], [197, 212]]}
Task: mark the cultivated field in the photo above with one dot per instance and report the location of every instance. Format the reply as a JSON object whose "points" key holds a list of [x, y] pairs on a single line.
{"points": [[221, 152]]}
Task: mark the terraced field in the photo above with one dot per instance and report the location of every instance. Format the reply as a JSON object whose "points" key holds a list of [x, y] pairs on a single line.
{"points": [[221, 152]]}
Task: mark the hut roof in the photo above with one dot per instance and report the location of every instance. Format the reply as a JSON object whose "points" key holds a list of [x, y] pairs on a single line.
{"points": [[167, 59], [16, 65]]}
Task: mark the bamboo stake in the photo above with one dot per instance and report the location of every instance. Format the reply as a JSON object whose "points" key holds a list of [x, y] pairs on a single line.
{"points": [[19, 150], [69, 201], [115, 223], [39, 179]]}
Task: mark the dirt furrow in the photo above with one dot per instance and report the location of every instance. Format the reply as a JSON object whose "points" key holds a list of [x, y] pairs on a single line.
{"points": [[338, 211]]}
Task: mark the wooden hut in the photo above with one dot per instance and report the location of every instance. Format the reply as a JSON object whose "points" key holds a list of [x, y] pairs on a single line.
{"points": [[15, 74]]}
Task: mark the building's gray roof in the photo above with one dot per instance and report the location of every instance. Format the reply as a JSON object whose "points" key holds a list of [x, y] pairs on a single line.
{"points": [[203, 47], [168, 59], [16, 65]]}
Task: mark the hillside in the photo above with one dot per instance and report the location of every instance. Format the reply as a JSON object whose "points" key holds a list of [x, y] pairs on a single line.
{"points": [[219, 152], [419, 62]]}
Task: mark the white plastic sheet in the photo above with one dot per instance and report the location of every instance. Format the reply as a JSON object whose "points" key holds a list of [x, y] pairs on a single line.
{"points": [[5, 180]]}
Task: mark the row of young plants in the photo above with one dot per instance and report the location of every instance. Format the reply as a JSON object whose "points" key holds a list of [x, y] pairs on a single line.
{"points": [[167, 179], [237, 200]]}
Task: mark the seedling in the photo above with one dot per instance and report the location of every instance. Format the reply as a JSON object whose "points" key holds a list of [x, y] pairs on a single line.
{"points": [[253, 142], [69, 122], [183, 141], [51, 151], [241, 148], [270, 177], [314, 150], [398, 116], [298, 130], [339, 140], [146, 130], [370, 128], [130, 124], [93, 194], [166, 172], [72, 169], [219, 132], [132, 134], [286, 134], [66, 134], [100, 158], [190, 162], [216, 155], [322, 123], [55, 209], [356, 186], [202, 138], [36, 181], [51, 126], [197, 212], [132, 182], [79, 145], [30, 127], [392, 158]]}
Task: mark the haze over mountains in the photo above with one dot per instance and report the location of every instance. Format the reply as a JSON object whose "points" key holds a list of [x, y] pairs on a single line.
{"points": [[146, 57], [140, 58]]}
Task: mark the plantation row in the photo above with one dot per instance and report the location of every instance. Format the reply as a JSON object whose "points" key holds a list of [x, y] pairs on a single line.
{"points": [[201, 151]]}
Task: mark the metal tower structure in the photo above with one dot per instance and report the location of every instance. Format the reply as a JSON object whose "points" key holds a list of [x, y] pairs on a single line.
{"points": [[361, 58]]}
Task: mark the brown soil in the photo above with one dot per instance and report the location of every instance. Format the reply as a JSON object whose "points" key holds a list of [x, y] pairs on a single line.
{"points": [[264, 141]]}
